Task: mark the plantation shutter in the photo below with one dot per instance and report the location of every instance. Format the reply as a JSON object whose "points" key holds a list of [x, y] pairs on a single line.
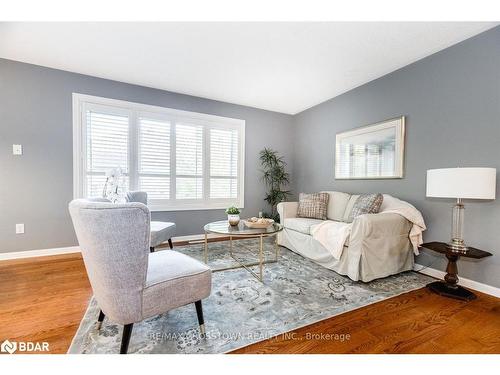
{"points": [[107, 148], [224, 163], [188, 161], [182, 160], [154, 157]]}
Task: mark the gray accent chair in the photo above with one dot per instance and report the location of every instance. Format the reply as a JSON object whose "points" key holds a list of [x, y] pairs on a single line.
{"points": [[161, 231], [131, 284]]}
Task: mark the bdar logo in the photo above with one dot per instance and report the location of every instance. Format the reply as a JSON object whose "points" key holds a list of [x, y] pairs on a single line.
{"points": [[8, 347], [23, 346]]}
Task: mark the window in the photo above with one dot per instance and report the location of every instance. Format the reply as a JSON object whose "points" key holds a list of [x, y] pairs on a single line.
{"points": [[223, 163], [183, 160], [154, 158], [188, 161]]}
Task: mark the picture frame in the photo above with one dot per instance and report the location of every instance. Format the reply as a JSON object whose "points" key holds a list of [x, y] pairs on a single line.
{"points": [[374, 151]]}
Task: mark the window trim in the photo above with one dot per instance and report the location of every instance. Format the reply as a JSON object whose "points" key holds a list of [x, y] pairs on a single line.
{"points": [[136, 109]]}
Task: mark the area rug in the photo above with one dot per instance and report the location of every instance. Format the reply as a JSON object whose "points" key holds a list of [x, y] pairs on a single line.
{"points": [[241, 310]]}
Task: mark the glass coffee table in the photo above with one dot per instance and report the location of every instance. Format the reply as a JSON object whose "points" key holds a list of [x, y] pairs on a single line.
{"points": [[241, 230]]}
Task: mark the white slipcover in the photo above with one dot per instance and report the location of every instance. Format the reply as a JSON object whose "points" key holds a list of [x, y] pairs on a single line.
{"points": [[378, 245]]}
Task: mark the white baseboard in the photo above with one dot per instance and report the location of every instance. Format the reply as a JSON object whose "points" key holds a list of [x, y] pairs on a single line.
{"points": [[76, 249], [488, 289], [39, 253], [480, 287]]}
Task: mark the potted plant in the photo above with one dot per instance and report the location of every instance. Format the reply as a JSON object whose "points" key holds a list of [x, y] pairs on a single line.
{"points": [[233, 215], [276, 179]]}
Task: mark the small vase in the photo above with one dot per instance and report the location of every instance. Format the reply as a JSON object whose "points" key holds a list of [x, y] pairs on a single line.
{"points": [[233, 220]]}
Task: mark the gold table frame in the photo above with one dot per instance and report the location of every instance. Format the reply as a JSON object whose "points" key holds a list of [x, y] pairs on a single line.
{"points": [[260, 236]]}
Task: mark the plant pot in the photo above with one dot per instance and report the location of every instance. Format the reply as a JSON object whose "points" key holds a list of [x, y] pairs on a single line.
{"points": [[233, 220]]}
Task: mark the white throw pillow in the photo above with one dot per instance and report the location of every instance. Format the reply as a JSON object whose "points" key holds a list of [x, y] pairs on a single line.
{"points": [[337, 204]]}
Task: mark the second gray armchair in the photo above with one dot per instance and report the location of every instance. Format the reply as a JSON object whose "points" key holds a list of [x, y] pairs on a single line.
{"points": [[129, 283], [161, 231]]}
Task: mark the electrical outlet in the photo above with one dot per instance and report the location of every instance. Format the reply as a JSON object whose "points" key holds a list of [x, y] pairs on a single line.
{"points": [[17, 149], [19, 228]]}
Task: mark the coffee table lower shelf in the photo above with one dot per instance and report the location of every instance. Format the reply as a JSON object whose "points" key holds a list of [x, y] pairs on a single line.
{"points": [[247, 266]]}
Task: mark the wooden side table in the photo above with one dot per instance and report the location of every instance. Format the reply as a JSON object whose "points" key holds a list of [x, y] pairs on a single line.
{"points": [[449, 286]]}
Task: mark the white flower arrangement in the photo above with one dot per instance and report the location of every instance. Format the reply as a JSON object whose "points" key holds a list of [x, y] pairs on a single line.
{"points": [[113, 185]]}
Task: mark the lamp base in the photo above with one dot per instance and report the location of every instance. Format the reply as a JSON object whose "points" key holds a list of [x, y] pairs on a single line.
{"points": [[458, 246]]}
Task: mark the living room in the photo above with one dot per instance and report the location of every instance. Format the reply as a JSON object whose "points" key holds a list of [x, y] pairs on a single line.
{"points": [[250, 187]]}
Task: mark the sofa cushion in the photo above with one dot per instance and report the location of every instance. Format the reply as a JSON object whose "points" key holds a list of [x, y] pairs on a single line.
{"points": [[366, 204], [349, 206], [313, 205], [302, 225], [337, 204]]}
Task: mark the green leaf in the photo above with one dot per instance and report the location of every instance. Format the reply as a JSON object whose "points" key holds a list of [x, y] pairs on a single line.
{"points": [[233, 210]]}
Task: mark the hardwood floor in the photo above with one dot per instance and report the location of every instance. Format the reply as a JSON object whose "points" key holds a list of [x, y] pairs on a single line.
{"points": [[415, 322], [44, 299]]}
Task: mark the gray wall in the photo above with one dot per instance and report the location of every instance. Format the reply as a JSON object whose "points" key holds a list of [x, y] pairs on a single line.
{"points": [[452, 103], [451, 100], [36, 111]]}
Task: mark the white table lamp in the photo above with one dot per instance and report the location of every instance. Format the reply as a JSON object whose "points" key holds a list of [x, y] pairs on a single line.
{"points": [[461, 183]]}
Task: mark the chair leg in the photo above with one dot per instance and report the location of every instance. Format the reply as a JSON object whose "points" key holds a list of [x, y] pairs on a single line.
{"points": [[151, 249], [199, 312], [127, 332], [170, 243], [100, 319]]}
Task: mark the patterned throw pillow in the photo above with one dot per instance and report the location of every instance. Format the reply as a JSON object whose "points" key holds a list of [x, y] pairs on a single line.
{"points": [[313, 205], [366, 204]]}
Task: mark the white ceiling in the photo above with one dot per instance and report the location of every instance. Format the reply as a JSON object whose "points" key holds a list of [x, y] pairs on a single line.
{"points": [[284, 67]]}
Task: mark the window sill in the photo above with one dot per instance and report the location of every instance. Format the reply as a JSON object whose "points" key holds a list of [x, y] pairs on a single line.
{"points": [[162, 208]]}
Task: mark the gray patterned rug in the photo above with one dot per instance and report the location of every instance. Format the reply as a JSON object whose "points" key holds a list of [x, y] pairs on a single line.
{"points": [[241, 310]]}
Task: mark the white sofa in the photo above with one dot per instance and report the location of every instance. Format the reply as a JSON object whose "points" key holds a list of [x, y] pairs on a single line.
{"points": [[378, 245]]}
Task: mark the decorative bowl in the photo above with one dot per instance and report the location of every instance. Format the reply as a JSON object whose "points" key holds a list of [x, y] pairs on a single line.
{"points": [[258, 225]]}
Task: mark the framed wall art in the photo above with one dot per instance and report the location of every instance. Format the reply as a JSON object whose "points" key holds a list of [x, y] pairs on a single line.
{"points": [[371, 152]]}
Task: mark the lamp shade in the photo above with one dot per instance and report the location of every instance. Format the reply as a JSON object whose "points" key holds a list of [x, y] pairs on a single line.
{"points": [[466, 183]]}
